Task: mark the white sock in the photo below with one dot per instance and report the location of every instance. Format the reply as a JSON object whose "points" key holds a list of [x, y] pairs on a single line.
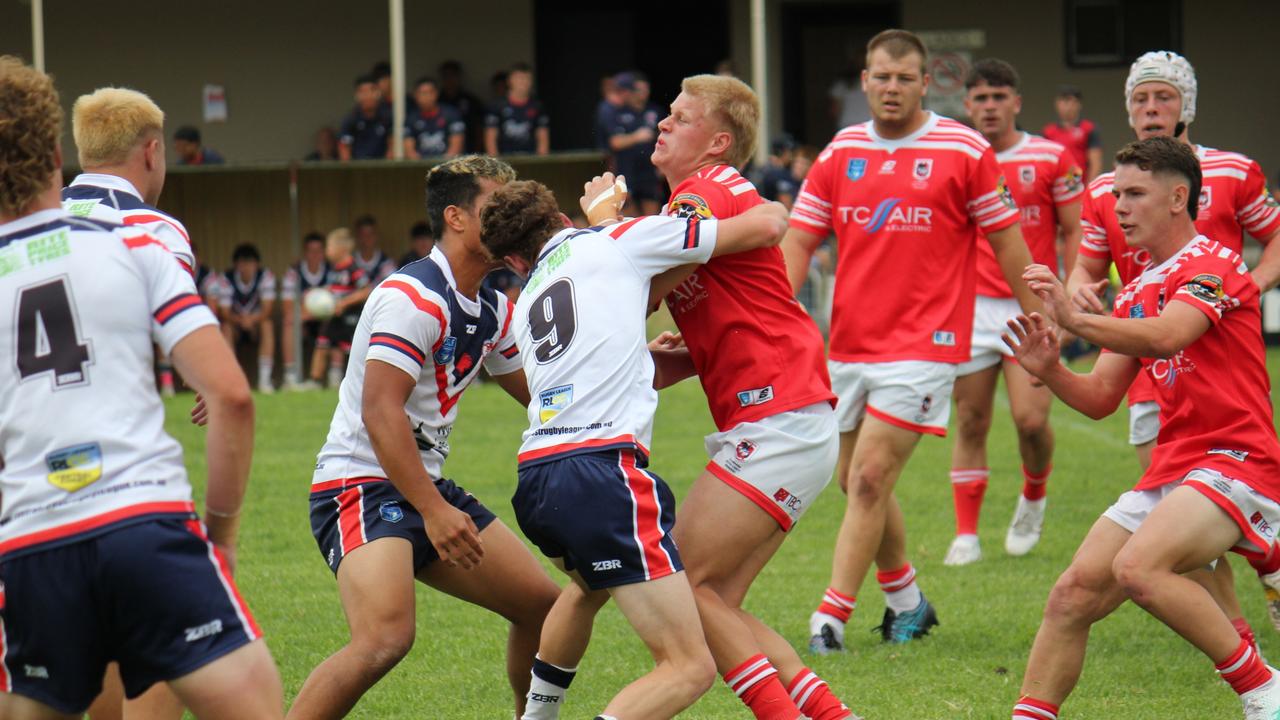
{"points": [[547, 689], [264, 372], [904, 600], [292, 375]]}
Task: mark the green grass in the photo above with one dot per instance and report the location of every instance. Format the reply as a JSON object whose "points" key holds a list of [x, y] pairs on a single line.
{"points": [[970, 667]]}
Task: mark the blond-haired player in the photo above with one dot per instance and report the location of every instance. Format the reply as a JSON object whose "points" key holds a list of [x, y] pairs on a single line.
{"points": [[351, 286]]}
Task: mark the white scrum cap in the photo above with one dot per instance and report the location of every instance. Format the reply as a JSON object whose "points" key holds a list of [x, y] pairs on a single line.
{"points": [[1169, 67]]}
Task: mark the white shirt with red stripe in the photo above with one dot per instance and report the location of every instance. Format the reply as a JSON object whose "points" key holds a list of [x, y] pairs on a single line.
{"points": [[580, 324], [82, 437], [906, 215], [1042, 177], [1214, 394], [112, 198], [418, 322], [1233, 200]]}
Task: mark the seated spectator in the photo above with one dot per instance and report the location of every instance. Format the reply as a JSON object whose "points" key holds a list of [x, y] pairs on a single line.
{"points": [[420, 243], [366, 131], [375, 264], [630, 141], [309, 272], [452, 93], [518, 124], [350, 287], [499, 86], [432, 129], [186, 145], [775, 178], [326, 146], [248, 301]]}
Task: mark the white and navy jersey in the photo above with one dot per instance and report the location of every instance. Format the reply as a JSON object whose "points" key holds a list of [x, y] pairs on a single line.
{"points": [[208, 284], [377, 268], [299, 278], [116, 200], [580, 325], [245, 298], [81, 425], [418, 322]]}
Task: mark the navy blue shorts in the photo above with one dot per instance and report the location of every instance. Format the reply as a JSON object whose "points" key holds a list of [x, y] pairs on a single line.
{"points": [[346, 514], [605, 517], [153, 595]]}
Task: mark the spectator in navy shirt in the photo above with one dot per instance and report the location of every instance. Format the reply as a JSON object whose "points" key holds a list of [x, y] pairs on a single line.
{"points": [[518, 124], [366, 130], [420, 243], [468, 106], [432, 129], [775, 179], [186, 144], [630, 142]]}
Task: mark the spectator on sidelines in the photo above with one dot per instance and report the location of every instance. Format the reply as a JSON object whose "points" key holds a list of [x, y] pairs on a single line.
{"points": [[366, 130], [350, 286], [369, 257], [629, 141], [247, 306], [499, 86], [452, 93], [326, 147], [311, 271], [610, 101], [420, 243], [186, 143], [518, 124], [432, 129], [775, 177], [1080, 136]]}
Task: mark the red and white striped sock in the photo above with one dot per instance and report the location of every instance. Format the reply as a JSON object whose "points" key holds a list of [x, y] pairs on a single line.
{"points": [[968, 487], [901, 593], [811, 694], [1028, 708], [1034, 485], [837, 605], [1244, 670], [756, 684]]}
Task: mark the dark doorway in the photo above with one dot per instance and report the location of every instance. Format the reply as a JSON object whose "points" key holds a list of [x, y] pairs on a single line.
{"points": [[819, 41], [578, 42]]}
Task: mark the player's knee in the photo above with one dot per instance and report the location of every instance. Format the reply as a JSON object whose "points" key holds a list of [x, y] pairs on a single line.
{"points": [[383, 648], [1075, 597], [870, 482], [1134, 575], [694, 674], [1032, 425], [972, 424]]}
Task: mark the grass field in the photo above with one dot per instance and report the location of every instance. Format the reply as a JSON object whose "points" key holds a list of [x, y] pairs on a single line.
{"points": [[970, 667]]}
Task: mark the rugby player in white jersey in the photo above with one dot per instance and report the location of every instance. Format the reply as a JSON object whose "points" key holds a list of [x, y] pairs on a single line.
{"points": [[382, 513], [584, 496], [102, 555]]}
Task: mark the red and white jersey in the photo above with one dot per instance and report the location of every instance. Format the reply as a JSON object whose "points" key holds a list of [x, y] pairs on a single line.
{"points": [[1214, 395], [580, 324], [906, 214], [417, 321], [1042, 177], [114, 199], [757, 351], [1233, 200], [81, 425]]}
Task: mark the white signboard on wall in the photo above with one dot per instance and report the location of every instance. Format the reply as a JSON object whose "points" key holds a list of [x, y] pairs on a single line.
{"points": [[950, 57]]}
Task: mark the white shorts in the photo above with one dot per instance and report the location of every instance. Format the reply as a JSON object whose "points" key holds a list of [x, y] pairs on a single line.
{"points": [[990, 316], [911, 394], [1144, 422], [781, 462], [1255, 514]]}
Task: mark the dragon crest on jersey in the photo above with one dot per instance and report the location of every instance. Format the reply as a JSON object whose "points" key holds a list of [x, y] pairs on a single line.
{"points": [[688, 205], [922, 169], [1027, 174]]}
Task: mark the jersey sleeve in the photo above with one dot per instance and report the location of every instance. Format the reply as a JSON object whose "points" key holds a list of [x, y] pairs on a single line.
{"points": [[289, 284], [1093, 240], [1094, 138], [176, 307], [702, 198], [1068, 181], [656, 244], [1259, 213], [989, 202], [811, 211], [1215, 285], [172, 235], [267, 287], [456, 125], [347, 133], [404, 327], [505, 357]]}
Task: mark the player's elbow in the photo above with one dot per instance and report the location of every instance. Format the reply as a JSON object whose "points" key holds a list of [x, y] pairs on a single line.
{"points": [[1165, 345], [234, 401]]}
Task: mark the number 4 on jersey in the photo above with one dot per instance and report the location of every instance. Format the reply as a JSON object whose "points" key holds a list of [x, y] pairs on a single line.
{"points": [[48, 339]]}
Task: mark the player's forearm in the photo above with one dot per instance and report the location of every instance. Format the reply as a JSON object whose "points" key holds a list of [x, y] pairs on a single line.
{"points": [[344, 152], [455, 145], [1136, 338], [671, 366], [1014, 257], [797, 252], [228, 454], [544, 141], [398, 456], [1267, 272], [491, 141], [516, 386], [1070, 249], [1084, 393]]}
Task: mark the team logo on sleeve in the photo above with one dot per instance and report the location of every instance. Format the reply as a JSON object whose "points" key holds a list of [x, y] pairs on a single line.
{"points": [[74, 467], [1005, 195], [1205, 287], [1073, 180], [688, 205], [1268, 199], [1027, 174], [856, 168]]}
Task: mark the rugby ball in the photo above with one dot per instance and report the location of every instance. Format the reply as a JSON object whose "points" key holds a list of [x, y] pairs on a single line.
{"points": [[320, 303]]}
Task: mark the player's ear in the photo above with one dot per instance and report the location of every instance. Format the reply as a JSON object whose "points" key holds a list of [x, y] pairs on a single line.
{"points": [[1180, 198], [720, 144], [453, 217]]}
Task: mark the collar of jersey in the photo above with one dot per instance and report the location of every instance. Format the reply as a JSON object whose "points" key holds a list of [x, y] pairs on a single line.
{"points": [[471, 307], [1156, 273], [40, 217], [1014, 148], [554, 243], [110, 182], [929, 124]]}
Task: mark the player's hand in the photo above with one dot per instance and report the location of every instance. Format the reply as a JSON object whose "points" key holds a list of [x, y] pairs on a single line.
{"points": [[1088, 297], [667, 340], [200, 412], [1046, 285], [228, 553], [1034, 343], [603, 197], [454, 536]]}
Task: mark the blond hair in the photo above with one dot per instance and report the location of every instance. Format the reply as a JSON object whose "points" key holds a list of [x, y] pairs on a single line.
{"points": [[340, 238], [735, 105], [109, 123], [30, 125]]}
